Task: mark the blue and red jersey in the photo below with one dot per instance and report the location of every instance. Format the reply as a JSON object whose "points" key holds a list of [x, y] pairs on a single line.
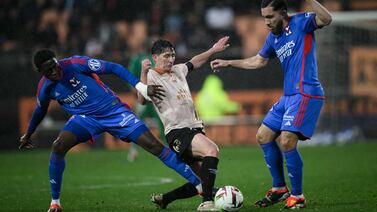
{"points": [[80, 91], [295, 48]]}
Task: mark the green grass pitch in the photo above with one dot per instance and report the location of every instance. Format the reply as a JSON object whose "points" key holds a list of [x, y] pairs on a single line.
{"points": [[336, 178]]}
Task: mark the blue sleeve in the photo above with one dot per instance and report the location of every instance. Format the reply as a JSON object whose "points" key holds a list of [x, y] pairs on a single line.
{"points": [[121, 72], [105, 67], [38, 115], [267, 50], [40, 110], [307, 22]]}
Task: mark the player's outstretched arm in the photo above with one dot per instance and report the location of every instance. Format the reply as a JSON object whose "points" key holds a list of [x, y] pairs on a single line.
{"points": [[37, 117], [219, 46], [323, 16], [254, 62], [147, 91], [152, 90]]}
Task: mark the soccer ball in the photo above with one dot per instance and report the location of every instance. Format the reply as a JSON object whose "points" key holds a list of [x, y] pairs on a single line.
{"points": [[229, 198]]}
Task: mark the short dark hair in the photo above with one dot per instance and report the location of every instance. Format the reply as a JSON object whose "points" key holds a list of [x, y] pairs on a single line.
{"points": [[275, 4], [42, 56], [160, 46]]}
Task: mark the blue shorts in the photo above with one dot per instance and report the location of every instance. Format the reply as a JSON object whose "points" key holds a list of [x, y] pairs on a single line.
{"points": [[119, 122], [296, 113]]}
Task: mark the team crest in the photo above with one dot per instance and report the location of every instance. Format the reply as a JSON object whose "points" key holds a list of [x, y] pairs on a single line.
{"points": [[287, 31], [176, 145], [74, 82], [94, 65]]}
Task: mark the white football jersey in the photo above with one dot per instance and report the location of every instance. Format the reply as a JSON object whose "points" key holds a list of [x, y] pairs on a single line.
{"points": [[177, 109]]}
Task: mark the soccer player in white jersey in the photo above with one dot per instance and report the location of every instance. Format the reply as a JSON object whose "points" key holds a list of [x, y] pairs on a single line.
{"points": [[294, 116], [183, 128]]}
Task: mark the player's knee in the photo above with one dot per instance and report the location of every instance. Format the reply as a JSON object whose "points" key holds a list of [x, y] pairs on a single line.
{"points": [[262, 137], [59, 146], [288, 143], [213, 151]]}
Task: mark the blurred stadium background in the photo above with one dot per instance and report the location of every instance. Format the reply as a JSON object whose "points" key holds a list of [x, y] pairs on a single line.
{"points": [[120, 31]]}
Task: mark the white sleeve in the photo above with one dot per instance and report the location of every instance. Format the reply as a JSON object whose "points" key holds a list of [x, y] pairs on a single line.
{"points": [[143, 90]]}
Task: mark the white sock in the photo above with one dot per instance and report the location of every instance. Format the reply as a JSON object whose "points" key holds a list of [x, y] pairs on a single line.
{"points": [[55, 201], [299, 196], [277, 188], [199, 189]]}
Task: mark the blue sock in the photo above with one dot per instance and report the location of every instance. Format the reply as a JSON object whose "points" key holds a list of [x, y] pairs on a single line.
{"points": [[274, 160], [56, 169], [294, 167], [170, 159]]}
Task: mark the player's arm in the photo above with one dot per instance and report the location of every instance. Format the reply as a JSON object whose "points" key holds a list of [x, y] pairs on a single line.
{"points": [[145, 66], [254, 62], [39, 113], [323, 16], [105, 67], [219, 46]]}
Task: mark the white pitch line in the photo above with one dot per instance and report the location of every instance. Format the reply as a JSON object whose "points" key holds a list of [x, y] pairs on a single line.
{"points": [[148, 181]]}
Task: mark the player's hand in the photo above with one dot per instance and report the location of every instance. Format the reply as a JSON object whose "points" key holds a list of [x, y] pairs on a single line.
{"points": [[26, 142], [217, 64], [146, 65], [221, 44], [156, 91]]}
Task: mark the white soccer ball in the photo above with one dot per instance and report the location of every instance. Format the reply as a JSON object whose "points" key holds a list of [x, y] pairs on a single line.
{"points": [[229, 198]]}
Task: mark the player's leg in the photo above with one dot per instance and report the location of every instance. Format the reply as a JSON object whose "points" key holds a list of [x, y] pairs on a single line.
{"points": [[124, 124], [144, 138], [200, 152], [272, 155], [293, 159], [294, 165], [71, 135], [205, 149], [202, 147], [183, 192], [305, 112], [266, 135]]}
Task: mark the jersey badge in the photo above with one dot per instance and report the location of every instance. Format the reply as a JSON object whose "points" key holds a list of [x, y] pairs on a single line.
{"points": [[94, 65], [176, 145], [287, 30], [74, 82]]}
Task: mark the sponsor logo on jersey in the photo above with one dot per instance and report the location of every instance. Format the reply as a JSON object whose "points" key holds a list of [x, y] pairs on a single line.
{"points": [[285, 50], [77, 97], [94, 65], [126, 119]]}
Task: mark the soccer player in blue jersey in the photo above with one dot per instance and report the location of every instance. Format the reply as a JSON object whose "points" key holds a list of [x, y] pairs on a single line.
{"points": [[74, 83], [295, 115]]}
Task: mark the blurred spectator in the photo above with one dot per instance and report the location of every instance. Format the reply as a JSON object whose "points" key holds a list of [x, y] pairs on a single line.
{"points": [[98, 27], [220, 16], [213, 102]]}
